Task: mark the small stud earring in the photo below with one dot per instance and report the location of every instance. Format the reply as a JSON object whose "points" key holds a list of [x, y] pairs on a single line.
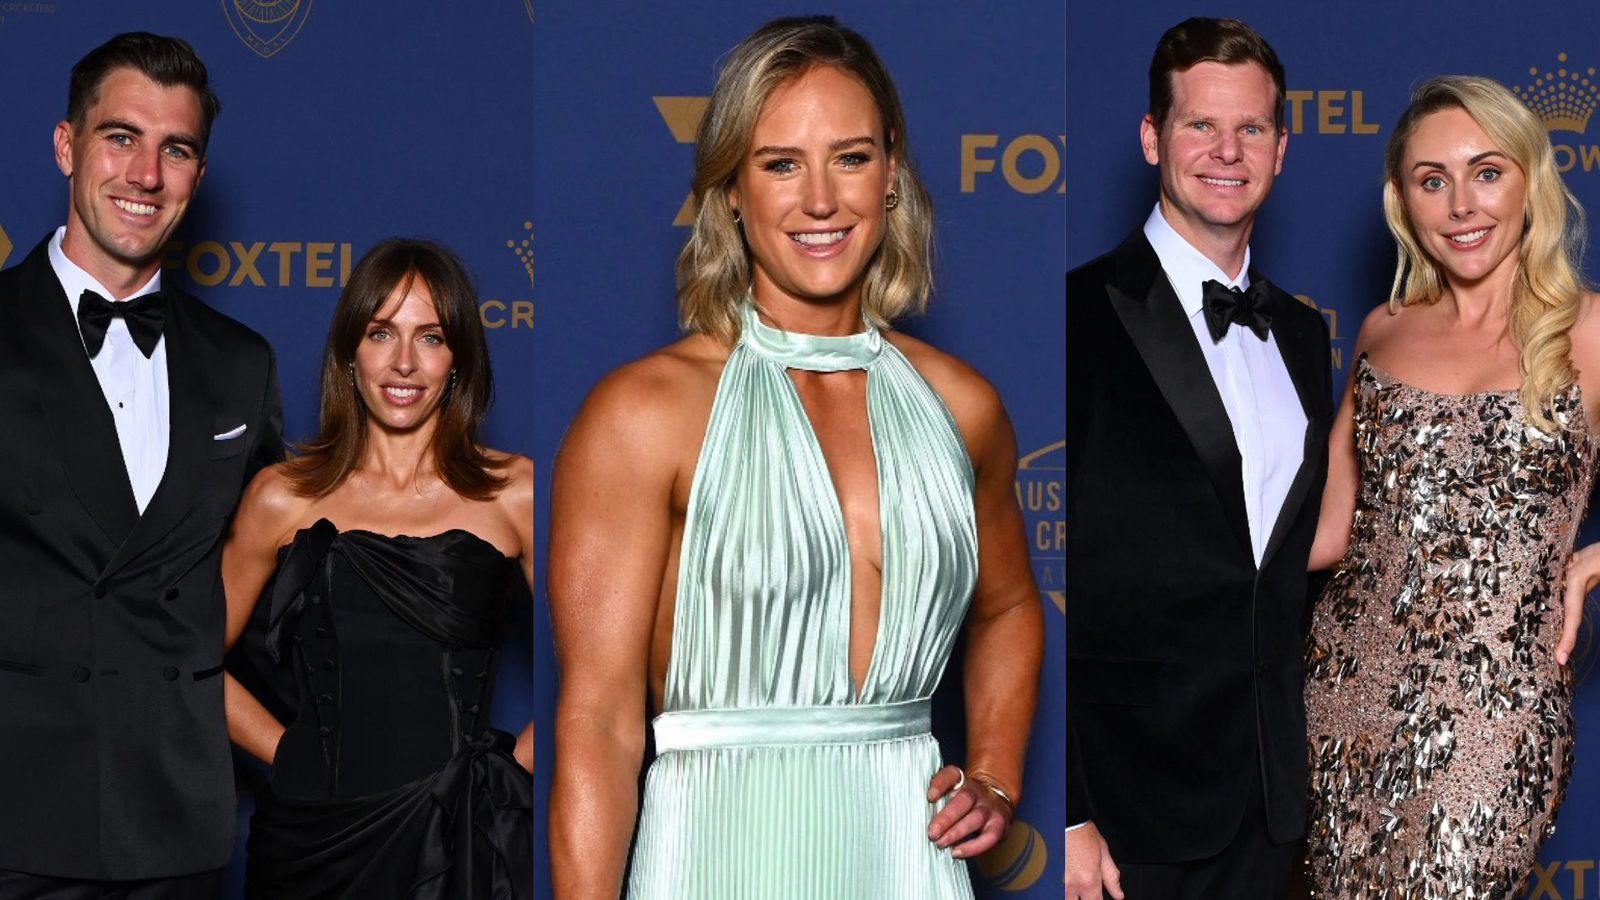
{"points": [[737, 218], [891, 200]]}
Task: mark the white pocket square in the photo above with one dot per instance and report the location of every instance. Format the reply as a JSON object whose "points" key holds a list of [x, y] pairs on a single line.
{"points": [[228, 435]]}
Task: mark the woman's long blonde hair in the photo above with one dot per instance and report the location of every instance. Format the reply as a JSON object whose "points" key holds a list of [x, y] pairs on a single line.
{"points": [[713, 269], [1548, 283]]}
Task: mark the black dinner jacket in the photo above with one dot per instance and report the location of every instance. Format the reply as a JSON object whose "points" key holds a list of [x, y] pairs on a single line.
{"points": [[114, 758], [1184, 661]]}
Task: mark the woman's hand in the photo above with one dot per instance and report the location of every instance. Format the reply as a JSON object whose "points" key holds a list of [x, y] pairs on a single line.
{"points": [[1583, 573], [975, 818]]}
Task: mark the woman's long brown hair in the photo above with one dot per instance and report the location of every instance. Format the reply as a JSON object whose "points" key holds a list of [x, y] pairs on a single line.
{"points": [[324, 463]]}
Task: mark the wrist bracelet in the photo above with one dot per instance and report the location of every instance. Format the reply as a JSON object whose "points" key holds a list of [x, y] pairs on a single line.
{"points": [[998, 791]]}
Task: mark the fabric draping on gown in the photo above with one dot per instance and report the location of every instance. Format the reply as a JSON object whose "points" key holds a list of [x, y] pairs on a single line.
{"points": [[776, 777], [464, 831]]}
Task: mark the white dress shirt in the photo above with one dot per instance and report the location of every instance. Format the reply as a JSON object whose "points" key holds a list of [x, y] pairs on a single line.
{"points": [[135, 387], [1269, 424]]}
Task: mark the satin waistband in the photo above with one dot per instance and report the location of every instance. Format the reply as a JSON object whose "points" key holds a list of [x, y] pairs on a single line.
{"points": [[783, 726]]}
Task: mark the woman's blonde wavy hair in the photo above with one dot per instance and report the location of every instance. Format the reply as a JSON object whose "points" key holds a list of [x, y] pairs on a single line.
{"points": [[1548, 283], [713, 269]]}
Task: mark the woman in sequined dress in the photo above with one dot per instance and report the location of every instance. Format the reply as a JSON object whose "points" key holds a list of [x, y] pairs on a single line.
{"points": [[385, 557], [1437, 698]]}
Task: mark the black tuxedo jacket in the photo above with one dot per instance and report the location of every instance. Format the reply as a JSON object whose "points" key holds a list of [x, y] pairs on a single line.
{"points": [[114, 757], [1184, 660]]}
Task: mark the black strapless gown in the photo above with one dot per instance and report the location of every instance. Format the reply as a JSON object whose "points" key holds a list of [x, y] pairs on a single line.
{"points": [[389, 781]]}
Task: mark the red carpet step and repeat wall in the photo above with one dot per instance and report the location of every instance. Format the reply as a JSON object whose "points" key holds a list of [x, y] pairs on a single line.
{"points": [[1350, 69], [620, 88], [549, 145]]}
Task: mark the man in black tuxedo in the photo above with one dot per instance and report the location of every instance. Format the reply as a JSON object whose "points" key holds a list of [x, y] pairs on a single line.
{"points": [[1198, 402], [134, 416]]}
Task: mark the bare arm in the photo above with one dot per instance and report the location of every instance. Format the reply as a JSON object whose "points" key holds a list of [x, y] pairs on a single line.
{"points": [[610, 525], [1005, 624], [1339, 494], [1005, 641], [516, 500], [259, 527]]}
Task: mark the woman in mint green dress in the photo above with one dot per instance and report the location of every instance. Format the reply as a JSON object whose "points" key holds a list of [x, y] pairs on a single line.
{"points": [[776, 528]]}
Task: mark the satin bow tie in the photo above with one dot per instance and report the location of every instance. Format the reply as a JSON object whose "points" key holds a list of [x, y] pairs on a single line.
{"points": [[144, 315], [1225, 305]]}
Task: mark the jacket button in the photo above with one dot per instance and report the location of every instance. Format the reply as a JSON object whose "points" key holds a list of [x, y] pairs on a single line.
{"points": [[99, 591], [170, 673], [80, 674], [172, 594]]}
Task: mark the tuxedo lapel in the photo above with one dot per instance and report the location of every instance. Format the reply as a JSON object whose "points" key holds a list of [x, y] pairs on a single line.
{"points": [[72, 403], [1153, 317], [1298, 345], [189, 441]]}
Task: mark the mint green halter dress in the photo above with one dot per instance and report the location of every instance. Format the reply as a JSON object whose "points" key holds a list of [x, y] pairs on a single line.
{"points": [[774, 779]]}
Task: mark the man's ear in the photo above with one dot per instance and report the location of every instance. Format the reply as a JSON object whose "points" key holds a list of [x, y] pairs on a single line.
{"points": [[1149, 140], [63, 142]]}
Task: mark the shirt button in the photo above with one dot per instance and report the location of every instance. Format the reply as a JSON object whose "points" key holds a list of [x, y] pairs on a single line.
{"points": [[170, 673], [99, 591], [80, 674]]}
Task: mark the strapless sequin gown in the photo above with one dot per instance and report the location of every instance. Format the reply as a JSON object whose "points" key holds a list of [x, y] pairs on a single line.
{"points": [[775, 778], [1440, 725]]}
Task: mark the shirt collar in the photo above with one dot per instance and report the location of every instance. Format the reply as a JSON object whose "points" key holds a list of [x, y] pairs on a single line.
{"points": [[1186, 267], [74, 280]]}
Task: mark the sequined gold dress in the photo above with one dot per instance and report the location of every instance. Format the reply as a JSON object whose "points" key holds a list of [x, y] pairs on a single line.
{"points": [[1440, 725]]}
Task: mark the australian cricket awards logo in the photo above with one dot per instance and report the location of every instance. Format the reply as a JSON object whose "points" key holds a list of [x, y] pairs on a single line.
{"points": [[1041, 489], [1565, 99], [523, 250], [267, 26], [1015, 863], [683, 115], [514, 314]]}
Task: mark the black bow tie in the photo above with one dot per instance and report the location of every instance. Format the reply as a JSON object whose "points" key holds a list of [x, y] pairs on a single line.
{"points": [[1225, 305], [144, 315]]}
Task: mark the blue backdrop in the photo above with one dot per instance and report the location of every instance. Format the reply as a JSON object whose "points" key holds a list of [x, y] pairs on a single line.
{"points": [[342, 124], [1350, 70], [548, 145], [614, 117]]}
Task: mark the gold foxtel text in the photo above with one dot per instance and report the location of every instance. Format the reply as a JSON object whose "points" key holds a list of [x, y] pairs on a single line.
{"points": [[1334, 114], [1030, 163], [286, 263], [311, 264]]}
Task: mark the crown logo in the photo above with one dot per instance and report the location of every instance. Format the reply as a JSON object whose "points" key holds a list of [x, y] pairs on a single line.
{"points": [[524, 251], [1564, 99]]}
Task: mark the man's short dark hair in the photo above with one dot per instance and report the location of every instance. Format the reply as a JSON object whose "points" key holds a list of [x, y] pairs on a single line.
{"points": [[1197, 40], [168, 61]]}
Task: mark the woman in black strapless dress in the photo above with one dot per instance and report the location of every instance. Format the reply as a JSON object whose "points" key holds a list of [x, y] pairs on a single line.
{"points": [[374, 571]]}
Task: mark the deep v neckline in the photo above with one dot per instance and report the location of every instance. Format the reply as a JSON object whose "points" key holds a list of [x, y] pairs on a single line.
{"points": [[820, 353]]}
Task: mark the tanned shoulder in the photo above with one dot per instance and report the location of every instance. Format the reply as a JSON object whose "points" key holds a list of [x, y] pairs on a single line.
{"points": [[971, 399], [271, 506]]}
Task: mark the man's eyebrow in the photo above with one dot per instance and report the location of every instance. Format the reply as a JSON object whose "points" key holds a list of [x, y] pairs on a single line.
{"points": [[119, 125], [181, 138]]}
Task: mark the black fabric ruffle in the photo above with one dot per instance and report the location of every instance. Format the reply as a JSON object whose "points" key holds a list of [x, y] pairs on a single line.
{"points": [[465, 833]]}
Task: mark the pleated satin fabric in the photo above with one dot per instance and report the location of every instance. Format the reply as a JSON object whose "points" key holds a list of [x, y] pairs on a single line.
{"points": [[775, 778]]}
